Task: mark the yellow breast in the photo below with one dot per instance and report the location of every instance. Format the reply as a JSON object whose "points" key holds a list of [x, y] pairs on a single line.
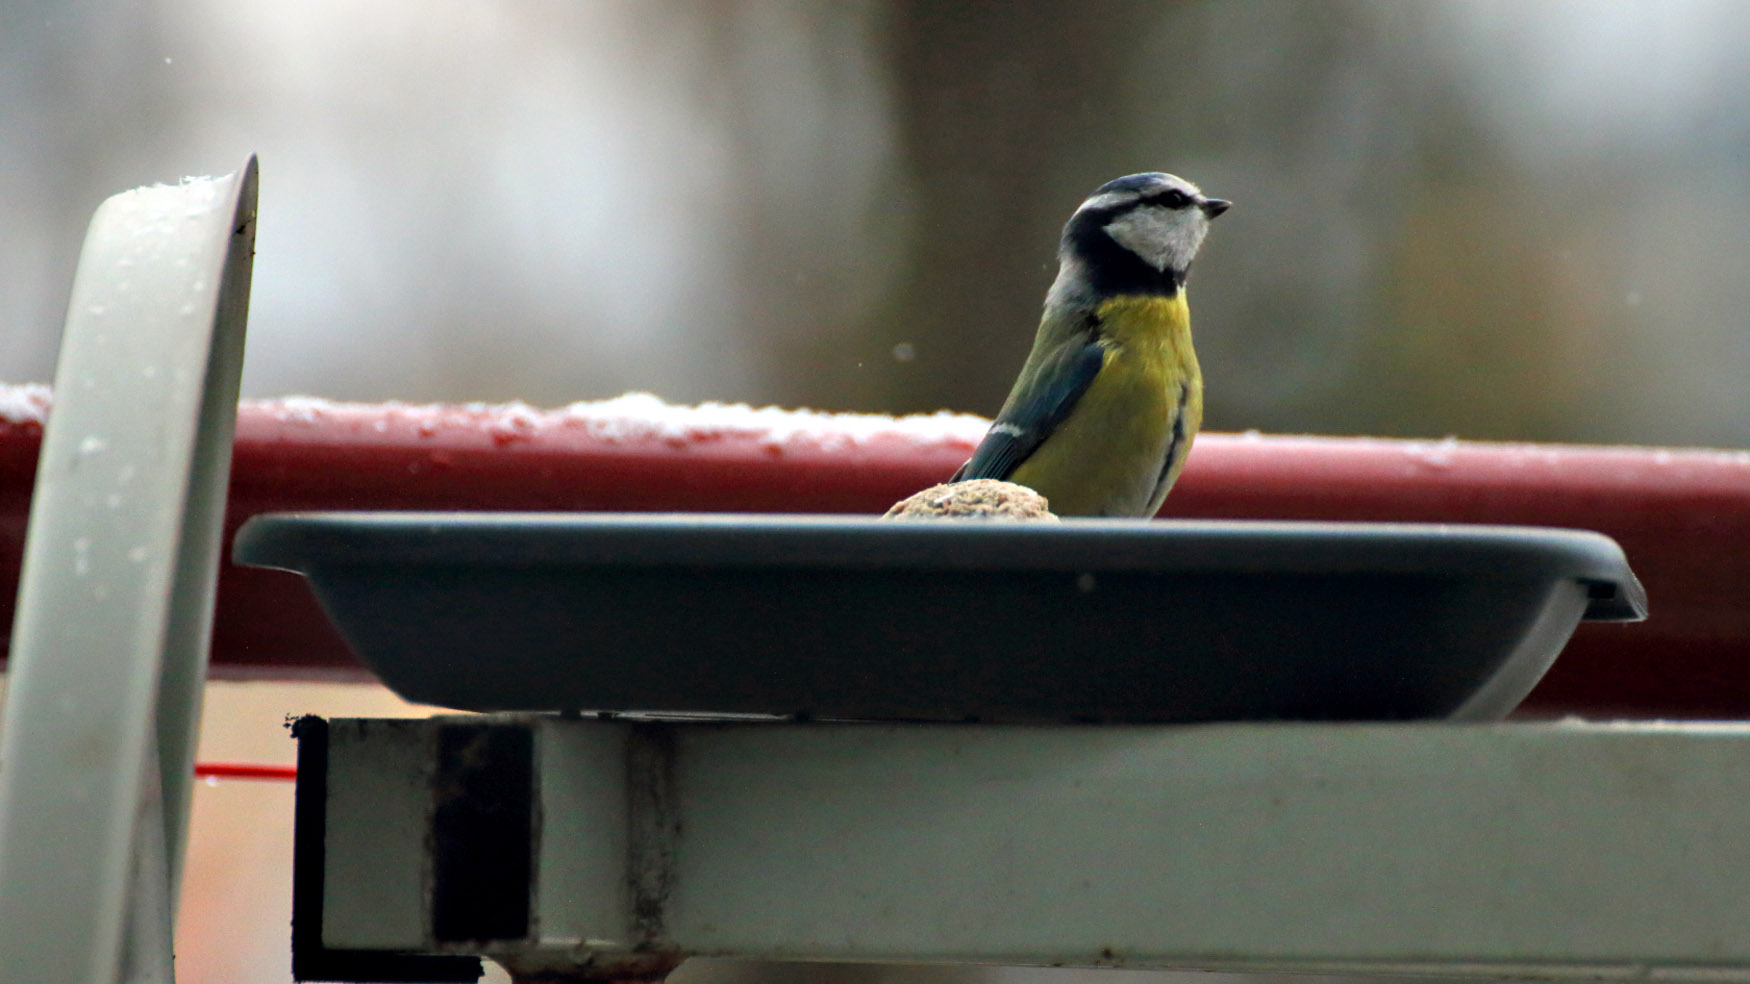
{"points": [[1121, 449]]}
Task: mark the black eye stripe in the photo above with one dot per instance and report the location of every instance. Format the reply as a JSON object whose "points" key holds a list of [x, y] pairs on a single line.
{"points": [[1171, 198]]}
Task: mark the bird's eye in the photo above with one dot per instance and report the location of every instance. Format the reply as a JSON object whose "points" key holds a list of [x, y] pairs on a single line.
{"points": [[1174, 198]]}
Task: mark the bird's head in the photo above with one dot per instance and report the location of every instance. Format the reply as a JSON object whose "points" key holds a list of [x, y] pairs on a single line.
{"points": [[1136, 234]]}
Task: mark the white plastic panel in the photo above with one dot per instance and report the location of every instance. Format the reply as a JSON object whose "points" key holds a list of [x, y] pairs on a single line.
{"points": [[109, 643]]}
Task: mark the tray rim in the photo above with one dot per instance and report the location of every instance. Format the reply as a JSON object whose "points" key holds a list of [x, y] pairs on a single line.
{"points": [[308, 542]]}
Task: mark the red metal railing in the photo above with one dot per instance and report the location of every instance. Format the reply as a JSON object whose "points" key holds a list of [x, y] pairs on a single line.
{"points": [[1683, 516]]}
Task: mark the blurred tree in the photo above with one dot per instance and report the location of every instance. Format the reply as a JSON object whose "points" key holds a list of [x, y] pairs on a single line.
{"points": [[1006, 120]]}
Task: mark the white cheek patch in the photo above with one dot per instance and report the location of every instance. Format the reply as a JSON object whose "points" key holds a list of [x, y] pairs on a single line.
{"points": [[1165, 238]]}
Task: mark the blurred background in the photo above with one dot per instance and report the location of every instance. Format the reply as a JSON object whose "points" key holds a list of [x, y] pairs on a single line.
{"points": [[1489, 220]]}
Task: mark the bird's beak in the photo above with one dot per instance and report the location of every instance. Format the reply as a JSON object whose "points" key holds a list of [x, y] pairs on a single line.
{"points": [[1213, 207]]}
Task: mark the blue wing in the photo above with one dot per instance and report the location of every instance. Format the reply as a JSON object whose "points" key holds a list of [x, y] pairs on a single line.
{"points": [[1043, 398]]}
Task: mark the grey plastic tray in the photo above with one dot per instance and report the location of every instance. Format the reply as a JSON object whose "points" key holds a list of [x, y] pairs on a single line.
{"points": [[857, 618]]}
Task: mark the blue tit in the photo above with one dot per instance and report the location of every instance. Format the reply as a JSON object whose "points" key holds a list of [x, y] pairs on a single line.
{"points": [[1110, 398]]}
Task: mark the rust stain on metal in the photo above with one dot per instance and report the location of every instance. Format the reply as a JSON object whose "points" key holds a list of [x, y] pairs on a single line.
{"points": [[654, 828], [639, 967]]}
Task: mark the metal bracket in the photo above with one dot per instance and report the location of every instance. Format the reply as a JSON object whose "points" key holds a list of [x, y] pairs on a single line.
{"points": [[1499, 850], [312, 960]]}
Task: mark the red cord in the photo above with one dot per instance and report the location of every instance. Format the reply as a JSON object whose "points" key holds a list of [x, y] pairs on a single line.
{"points": [[244, 770]]}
